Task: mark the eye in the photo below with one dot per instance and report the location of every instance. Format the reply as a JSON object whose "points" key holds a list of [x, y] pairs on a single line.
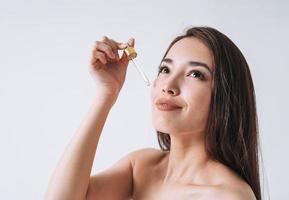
{"points": [[163, 69], [197, 74]]}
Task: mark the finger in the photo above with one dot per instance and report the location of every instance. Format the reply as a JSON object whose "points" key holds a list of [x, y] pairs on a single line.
{"points": [[130, 43], [121, 45], [105, 48], [114, 46], [100, 56], [110, 42], [95, 63], [118, 45]]}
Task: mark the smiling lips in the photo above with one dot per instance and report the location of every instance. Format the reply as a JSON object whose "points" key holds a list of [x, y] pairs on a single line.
{"points": [[167, 105]]}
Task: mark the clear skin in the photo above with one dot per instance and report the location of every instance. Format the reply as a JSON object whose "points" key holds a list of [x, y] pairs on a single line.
{"points": [[187, 167], [185, 172], [192, 87]]}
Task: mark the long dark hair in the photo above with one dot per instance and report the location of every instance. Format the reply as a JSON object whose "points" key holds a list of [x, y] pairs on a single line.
{"points": [[232, 129]]}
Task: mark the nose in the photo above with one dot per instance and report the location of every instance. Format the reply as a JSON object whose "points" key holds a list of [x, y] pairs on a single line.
{"points": [[170, 89]]}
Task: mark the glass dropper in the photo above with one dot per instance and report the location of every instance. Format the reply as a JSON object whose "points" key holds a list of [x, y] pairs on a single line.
{"points": [[131, 54]]}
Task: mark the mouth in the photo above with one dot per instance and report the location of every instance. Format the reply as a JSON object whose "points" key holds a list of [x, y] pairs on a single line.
{"points": [[167, 107], [163, 104]]}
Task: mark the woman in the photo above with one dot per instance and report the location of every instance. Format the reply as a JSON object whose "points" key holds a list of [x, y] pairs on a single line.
{"points": [[203, 108]]}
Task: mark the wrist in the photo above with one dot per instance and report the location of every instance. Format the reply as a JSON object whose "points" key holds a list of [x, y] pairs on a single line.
{"points": [[106, 97]]}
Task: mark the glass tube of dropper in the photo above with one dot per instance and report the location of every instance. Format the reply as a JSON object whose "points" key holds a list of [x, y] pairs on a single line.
{"points": [[131, 54], [141, 72]]}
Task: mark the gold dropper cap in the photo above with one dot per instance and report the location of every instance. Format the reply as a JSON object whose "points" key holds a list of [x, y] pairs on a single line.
{"points": [[130, 52]]}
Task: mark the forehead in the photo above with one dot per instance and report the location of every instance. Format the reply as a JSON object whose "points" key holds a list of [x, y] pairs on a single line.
{"points": [[190, 49]]}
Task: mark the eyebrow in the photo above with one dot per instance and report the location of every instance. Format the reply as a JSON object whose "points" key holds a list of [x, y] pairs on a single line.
{"points": [[190, 63]]}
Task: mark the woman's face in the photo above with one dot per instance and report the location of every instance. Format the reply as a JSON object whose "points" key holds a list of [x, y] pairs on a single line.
{"points": [[181, 93]]}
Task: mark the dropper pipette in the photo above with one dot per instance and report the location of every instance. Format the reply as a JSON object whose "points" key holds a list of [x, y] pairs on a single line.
{"points": [[141, 73], [131, 54]]}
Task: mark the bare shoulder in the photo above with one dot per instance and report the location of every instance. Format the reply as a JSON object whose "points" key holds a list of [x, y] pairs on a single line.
{"points": [[147, 161], [147, 155], [230, 186], [233, 187], [148, 151], [236, 192]]}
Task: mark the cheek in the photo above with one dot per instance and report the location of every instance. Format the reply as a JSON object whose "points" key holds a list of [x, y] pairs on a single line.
{"points": [[198, 99], [153, 90], [154, 83]]}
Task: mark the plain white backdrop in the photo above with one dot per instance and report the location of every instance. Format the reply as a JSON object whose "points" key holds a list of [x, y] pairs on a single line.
{"points": [[46, 88]]}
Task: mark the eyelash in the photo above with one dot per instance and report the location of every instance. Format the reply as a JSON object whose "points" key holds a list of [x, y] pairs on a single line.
{"points": [[202, 77]]}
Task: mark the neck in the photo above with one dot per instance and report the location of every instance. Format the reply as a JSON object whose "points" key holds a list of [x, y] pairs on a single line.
{"points": [[187, 159]]}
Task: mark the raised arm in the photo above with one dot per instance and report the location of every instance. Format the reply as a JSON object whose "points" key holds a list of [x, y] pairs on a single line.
{"points": [[71, 178]]}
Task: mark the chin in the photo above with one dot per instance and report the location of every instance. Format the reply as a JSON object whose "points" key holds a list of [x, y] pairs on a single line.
{"points": [[166, 127]]}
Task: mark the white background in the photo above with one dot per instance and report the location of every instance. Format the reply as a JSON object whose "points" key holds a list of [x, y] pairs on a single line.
{"points": [[46, 89]]}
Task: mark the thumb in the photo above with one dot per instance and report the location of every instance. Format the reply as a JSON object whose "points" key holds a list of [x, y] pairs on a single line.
{"points": [[124, 57], [131, 42]]}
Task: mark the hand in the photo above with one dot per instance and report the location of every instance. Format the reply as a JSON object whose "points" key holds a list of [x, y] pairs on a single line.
{"points": [[107, 68]]}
